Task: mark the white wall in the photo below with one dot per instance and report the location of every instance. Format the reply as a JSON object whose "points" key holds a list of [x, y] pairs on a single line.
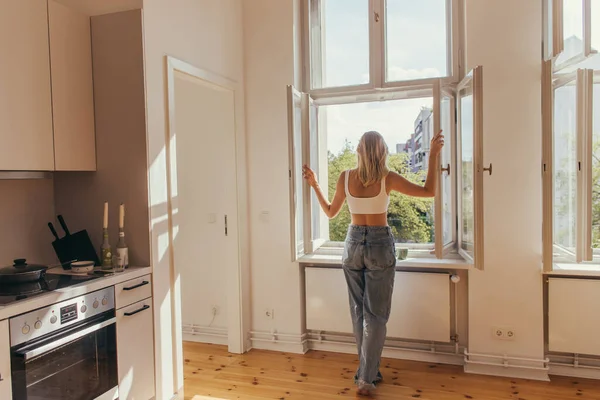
{"points": [[208, 35], [505, 37], [26, 207], [269, 62]]}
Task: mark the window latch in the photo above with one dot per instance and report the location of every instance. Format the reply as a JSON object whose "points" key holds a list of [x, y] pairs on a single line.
{"points": [[488, 169], [376, 16], [447, 169], [225, 225]]}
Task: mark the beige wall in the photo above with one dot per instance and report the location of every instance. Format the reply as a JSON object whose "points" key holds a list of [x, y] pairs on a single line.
{"points": [[505, 38], [26, 207], [269, 61], [208, 35]]}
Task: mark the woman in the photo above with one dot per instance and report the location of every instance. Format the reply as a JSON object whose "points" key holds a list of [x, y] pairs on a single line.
{"points": [[369, 258]]}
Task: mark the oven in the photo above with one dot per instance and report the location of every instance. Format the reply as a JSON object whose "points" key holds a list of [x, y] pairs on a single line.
{"points": [[67, 351]]}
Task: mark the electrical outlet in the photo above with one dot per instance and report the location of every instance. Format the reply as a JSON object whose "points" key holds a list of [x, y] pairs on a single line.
{"points": [[270, 313], [503, 333]]}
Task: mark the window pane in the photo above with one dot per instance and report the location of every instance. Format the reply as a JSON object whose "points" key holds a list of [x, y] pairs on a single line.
{"points": [[596, 172], [467, 177], [446, 117], [572, 30], [314, 164], [416, 39], [298, 176], [341, 47], [407, 128], [565, 172]]}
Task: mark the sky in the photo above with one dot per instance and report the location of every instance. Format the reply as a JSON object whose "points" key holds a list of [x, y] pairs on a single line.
{"points": [[416, 37]]}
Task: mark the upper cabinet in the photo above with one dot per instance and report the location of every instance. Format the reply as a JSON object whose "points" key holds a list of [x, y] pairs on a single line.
{"points": [[26, 140], [46, 90], [72, 89]]}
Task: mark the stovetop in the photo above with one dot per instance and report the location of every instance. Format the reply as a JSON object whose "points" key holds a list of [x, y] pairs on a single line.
{"points": [[13, 293]]}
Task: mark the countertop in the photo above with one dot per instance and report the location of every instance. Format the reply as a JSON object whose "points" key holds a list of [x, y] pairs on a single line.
{"points": [[72, 291]]}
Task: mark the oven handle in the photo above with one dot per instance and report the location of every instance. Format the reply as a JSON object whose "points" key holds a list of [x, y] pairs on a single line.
{"points": [[67, 339]]}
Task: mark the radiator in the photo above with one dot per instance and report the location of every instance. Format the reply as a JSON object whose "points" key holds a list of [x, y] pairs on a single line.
{"points": [[420, 304], [574, 316]]}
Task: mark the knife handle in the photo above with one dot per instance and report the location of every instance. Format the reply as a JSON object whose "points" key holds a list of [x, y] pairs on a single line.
{"points": [[51, 226], [61, 220]]}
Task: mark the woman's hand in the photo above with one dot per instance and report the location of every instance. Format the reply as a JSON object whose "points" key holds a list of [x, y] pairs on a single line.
{"points": [[437, 142], [309, 175]]}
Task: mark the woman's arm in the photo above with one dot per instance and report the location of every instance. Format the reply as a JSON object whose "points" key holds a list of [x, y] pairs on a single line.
{"points": [[399, 184], [330, 209]]}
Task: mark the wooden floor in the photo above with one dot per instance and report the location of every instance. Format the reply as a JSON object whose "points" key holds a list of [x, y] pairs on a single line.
{"points": [[211, 373]]}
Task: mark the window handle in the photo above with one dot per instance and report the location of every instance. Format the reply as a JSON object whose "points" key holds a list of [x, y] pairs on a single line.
{"points": [[489, 169], [447, 169], [376, 16]]}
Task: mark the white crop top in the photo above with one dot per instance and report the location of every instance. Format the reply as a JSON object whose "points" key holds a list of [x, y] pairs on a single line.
{"points": [[368, 205]]}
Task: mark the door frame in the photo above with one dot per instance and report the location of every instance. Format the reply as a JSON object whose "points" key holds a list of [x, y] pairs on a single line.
{"points": [[238, 278]]}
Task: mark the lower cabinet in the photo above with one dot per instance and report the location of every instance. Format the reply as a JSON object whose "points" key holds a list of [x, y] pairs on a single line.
{"points": [[5, 382], [135, 351]]}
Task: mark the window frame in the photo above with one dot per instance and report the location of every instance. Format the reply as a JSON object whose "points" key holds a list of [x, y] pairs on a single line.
{"points": [[584, 80], [377, 50]]}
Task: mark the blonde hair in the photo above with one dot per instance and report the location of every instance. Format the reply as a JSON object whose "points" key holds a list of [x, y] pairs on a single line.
{"points": [[372, 158]]}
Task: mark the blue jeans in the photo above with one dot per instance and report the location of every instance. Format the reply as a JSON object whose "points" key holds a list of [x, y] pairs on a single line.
{"points": [[369, 267]]}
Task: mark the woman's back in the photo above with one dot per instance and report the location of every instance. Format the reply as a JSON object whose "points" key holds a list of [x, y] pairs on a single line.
{"points": [[367, 204]]}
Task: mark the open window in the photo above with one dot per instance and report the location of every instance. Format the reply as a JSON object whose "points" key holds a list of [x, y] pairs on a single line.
{"points": [[295, 127], [325, 131], [470, 165], [570, 36], [571, 169]]}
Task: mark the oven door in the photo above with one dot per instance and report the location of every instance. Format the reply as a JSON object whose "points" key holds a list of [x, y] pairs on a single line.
{"points": [[77, 363]]}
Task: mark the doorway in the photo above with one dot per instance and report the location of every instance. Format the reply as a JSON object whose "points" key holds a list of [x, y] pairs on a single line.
{"points": [[207, 199]]}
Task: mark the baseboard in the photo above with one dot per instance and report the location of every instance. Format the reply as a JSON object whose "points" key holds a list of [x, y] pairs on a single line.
{"points": [[270, 341], [574, 372], [390, 352], [204, 334], [507, 366]]}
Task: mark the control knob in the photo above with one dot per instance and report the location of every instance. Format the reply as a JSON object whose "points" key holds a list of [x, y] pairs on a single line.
{"points": [[83, 309], [38, 324], [53, 319], [25, 330], [104, 301], [96, 304]]}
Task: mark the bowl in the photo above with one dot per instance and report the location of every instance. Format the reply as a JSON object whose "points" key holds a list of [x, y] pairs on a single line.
{"points": [[80, 267]]}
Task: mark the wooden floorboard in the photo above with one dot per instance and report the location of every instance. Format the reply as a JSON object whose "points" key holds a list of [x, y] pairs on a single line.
{"points": [[211, 373]]}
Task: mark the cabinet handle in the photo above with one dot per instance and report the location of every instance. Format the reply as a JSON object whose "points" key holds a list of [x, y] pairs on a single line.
{"points": [[129, 314], [144, 283]]}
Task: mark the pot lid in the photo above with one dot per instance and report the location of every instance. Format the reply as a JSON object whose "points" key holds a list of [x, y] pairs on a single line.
{"points": [[20, 266]]}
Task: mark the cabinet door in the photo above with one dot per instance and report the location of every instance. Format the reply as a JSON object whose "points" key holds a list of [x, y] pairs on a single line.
{"points": [[26, 141], [72, 89], [135, 351], [5, 383]]}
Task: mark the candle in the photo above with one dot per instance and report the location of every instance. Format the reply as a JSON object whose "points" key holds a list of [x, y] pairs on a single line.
{"points": [[121, 216], [105, 225]]}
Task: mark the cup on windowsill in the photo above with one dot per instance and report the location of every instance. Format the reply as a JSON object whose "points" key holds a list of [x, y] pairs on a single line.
{"points": [[402, 253]]}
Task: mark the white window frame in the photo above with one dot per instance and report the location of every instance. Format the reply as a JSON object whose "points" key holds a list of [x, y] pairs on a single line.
{"points": [[377, 50], [553, 34], [584, 81], [379, 90]]}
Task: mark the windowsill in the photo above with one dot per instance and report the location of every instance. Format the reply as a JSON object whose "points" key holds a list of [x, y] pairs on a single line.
{"points": [[335, 261], [567, 269]]}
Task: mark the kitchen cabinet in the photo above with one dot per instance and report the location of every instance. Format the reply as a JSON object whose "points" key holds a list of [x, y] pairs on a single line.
{"points": [[72, 89], [135, 351], [26, 138], [5, 382]]}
